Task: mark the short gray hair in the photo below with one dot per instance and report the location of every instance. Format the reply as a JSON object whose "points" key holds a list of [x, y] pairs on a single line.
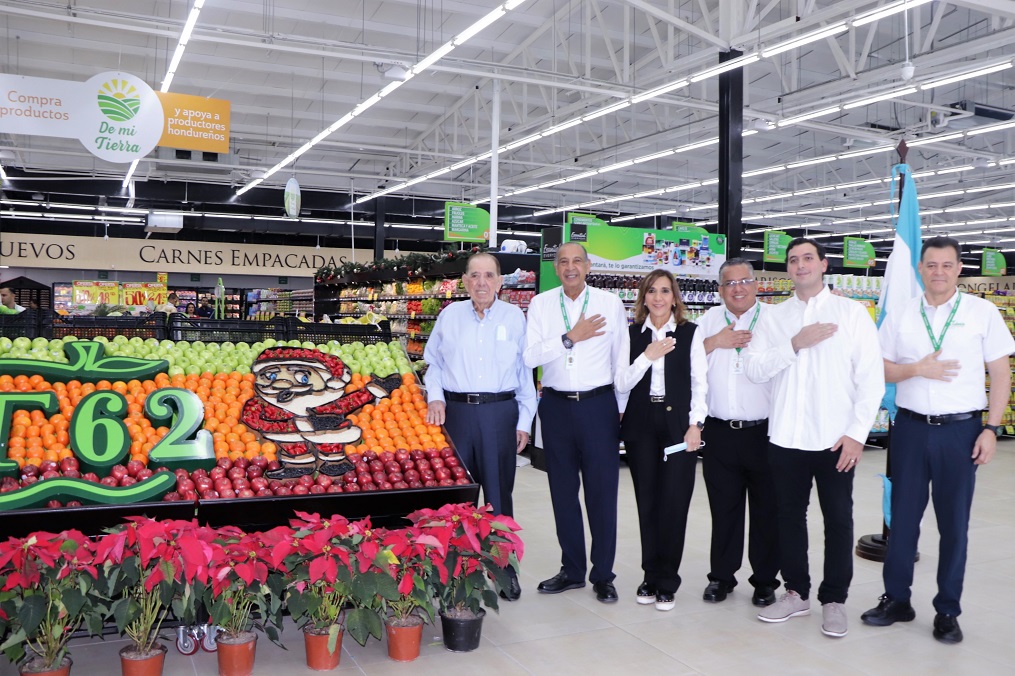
{"points": [[556, 255], [733, 262]]}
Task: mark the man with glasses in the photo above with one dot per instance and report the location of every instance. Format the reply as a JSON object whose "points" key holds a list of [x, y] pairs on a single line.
{"points": [[735, 460]]}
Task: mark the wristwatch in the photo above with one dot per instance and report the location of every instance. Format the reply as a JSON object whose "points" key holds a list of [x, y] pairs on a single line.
{"points": [[700, 425], [568, 343], [996, 429]]}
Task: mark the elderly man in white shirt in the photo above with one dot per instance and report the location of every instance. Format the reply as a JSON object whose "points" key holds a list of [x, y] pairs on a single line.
{"points": [[578, 334], [821, 353], [735, 467], [935, 348]]}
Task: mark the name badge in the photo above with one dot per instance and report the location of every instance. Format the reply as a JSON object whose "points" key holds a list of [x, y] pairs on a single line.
{"points": [[569, 360], [737, 365]]}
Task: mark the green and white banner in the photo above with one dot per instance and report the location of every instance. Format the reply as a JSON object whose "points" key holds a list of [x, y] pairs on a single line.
{"points": [[993, 264], [775, 245], [465, 223], [857, 253], [575, 218]]}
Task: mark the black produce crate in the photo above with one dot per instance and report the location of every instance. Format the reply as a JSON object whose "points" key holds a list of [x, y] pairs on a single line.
{"points": [[320, 333], [182, 327], [22, 325], [148, 326], [89, 519]]}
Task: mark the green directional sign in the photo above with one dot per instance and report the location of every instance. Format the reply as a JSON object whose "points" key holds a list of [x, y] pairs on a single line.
{"points": [[993, 264], [857, 253], [465, 223], [575, 218], [775, 245]]}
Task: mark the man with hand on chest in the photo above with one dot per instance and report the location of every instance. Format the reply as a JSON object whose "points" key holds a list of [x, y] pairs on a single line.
{"points": [[735, 460], [577, 334], [935, 348]]}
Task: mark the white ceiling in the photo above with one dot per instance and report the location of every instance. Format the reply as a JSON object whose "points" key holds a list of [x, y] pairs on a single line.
{"points": [[290, 68]]}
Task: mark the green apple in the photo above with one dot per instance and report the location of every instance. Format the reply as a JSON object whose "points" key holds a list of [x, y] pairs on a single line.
{"points": [[69, 339], [176, 371], [134, 340]]}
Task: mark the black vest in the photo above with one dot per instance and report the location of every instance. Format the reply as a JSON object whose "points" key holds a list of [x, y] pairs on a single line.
{"points": [[676, 373]]}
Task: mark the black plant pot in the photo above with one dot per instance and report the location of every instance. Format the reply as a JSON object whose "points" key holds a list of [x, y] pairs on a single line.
{"points": [[461, 635]]}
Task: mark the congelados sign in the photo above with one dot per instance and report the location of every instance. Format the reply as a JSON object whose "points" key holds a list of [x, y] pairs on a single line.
{"points": [[92, 253]]}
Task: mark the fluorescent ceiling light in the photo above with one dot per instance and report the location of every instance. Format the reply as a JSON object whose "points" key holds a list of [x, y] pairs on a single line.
{"points": [[868, 151], [807, 116], [560, 127], [606, 111], [880, 97], [732, 64], [471, 31], [805, 163], [990, 127], [886, 11], [659, 91], [986, 70], [934, 139], [814, 36]]}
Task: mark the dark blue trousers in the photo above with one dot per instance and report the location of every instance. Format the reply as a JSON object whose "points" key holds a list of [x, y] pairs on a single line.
{"points": [[925, 456], [484, 436], [793, 472], [582, 445]]}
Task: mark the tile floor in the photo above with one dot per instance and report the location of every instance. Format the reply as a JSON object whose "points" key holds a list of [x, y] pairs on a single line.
{"points": [[571, 633]]}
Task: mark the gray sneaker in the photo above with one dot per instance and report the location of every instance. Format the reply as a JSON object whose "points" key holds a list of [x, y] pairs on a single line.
{"points": [[833, 620], [789, 605]]}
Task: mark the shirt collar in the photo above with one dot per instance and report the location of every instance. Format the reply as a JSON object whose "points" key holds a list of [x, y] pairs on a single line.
{"points": [[948, 303], [579, 299], [486, 313], [748, 313], [818, 300], [667, 327]]}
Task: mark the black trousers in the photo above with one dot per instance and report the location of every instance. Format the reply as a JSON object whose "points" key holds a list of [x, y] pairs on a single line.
{"points": [[737, 476], [582, 445], [663, 492], [484, 435], [794, 471], [924, 457]]}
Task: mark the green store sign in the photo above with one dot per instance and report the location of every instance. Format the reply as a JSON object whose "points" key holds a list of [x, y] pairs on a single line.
{"points": [[775, 245], [993, 263], [465, 223], [857, 253]]}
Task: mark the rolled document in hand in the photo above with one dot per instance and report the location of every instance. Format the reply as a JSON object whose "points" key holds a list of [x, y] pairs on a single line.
{"points": [[675, 448]]}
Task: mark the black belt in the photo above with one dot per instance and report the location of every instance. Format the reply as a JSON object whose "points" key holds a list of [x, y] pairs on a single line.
{"points": [[578, 396], [940, 419], [478, 397], [741, 424]]}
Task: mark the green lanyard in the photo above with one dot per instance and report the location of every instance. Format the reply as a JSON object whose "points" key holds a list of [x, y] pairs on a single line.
{"points": [[757, 311], [936, 342], [567, 322]]}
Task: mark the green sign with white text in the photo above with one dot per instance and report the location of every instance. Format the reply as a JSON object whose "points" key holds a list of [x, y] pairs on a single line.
{"points": [[857, 253], [775, 245], [465, 223], [584, 219], [993, 264]]}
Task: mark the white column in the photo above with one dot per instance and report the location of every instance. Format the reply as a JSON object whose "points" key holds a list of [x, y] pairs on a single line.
{"points": [[494, 162]]}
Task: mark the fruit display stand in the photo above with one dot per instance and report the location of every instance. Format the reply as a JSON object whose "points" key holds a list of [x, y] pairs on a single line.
{"points": [[90, 423], [24, 324], [148, 326], [182, 327]]}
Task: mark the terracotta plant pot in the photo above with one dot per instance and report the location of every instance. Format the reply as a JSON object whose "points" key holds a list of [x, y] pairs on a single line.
{"points": [[135, 664], [318, 656], [29, 669], [236, 654], [462, 634], [404, 638]]}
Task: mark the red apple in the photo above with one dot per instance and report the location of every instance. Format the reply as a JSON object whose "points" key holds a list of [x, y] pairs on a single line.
{"points": [[430, 483], [106, 480], [415, 484], [260, 461], [451, 462], [447, 452], [68, 464], [399, 485], [431, 453], [245, 493], [48, 466], [324, 480], [72, 474], [73, 503], [442, 473], [255, 471], [273, 464], [240, 484], [236, 473], [264, 493], [458, 472], [401, 455], [334, 488], [50, 474], [54, 504], [446, 482], [29, 480], [386, 456], [258, 482], [91, 476], [134, 466], [144, 473], [376, 466], [349, 478], [306, 480], [369, 455], [210, 495], [242, 463], [437, 463], [189, 496], [184, 485], [318, 489], [411, 475], [227, 494], [369, 487], [395, 477], [462, 482], [128, 481], [282, 491], [301, 489], [30, 470], [224, 463], [385, 486], [427, 475], [351, 488]]}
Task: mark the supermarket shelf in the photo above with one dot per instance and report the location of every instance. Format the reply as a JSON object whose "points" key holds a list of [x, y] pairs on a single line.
{"points": [[410, 316], [412, 334]]}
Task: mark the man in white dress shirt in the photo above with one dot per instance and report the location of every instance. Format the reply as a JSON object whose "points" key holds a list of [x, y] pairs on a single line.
{"points": [[935, 349], [820, 351], [578, 334], [735, 459]]}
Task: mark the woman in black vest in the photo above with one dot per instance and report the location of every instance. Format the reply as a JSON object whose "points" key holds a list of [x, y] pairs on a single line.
{"points": [[666, 406]]}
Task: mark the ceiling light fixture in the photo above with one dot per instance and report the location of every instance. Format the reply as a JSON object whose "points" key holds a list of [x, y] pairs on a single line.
{"points": [[814, 36], [886, 11]]}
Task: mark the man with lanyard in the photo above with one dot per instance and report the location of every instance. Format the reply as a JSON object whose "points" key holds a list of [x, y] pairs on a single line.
{"points": [[820, 352], [577, 334], [735, 459], [935, 348], [479, 388]]}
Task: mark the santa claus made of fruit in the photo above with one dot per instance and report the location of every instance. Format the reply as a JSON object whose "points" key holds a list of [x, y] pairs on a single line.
{"points": [[301, 405]]}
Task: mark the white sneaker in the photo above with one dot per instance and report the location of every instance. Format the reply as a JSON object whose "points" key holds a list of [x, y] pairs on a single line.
{"points": [[833, 620], [789, 605]]}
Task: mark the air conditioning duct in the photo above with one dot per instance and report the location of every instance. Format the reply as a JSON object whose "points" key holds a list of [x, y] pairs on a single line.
{"points": [[163, 223], [968, 114]]}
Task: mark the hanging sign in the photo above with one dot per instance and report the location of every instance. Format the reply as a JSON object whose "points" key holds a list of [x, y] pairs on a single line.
{"points": [[465, 223], [291, 198], [993, 264], [857, 253], [775, 245]]}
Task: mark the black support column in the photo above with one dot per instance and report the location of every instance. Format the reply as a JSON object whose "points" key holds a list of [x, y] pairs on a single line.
{"points": [[380, 212], [731, 154]]}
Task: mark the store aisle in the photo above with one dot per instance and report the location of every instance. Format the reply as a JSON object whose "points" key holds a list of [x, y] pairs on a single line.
{"points": [[571, 633]]}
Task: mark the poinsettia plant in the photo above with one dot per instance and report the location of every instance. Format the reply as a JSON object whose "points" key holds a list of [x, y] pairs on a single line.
{"points": [[410, 565], [243, 592], [469, 561], [47, 592], [149, 567]]}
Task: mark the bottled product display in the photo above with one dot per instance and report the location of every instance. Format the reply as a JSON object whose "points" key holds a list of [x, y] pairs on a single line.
{"points": [[698, 294], [1005, 302]]}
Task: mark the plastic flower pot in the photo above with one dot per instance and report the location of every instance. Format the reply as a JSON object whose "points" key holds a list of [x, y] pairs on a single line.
{"points": [[236, 654], [134, 664], [462, 634], [319, 658]]}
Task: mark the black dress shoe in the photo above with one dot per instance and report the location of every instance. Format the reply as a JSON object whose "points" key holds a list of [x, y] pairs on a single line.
{"points": [[513, 591], [763, 596], [889, 611], [716, 591], [946, 629], [665, 601], [605, 592], [559, 583], [646, 594]]}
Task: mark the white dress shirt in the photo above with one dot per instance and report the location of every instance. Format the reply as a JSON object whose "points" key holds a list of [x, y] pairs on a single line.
{"points": [[469, 354], [630, 373], [977, 335], [825, 391], [732, 395], [595, 359]]}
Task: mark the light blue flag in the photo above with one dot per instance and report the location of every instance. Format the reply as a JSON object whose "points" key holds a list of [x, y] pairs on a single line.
{"points": [[902, 280]]}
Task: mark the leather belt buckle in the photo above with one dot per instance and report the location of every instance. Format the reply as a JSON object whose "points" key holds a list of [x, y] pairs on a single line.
{"points": [[656, 399], [473, 398], [934, 420], [576, 396], [737, 424]]}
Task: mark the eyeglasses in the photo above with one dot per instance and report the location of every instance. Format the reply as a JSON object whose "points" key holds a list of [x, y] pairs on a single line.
{"points": [[734, 283]]}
